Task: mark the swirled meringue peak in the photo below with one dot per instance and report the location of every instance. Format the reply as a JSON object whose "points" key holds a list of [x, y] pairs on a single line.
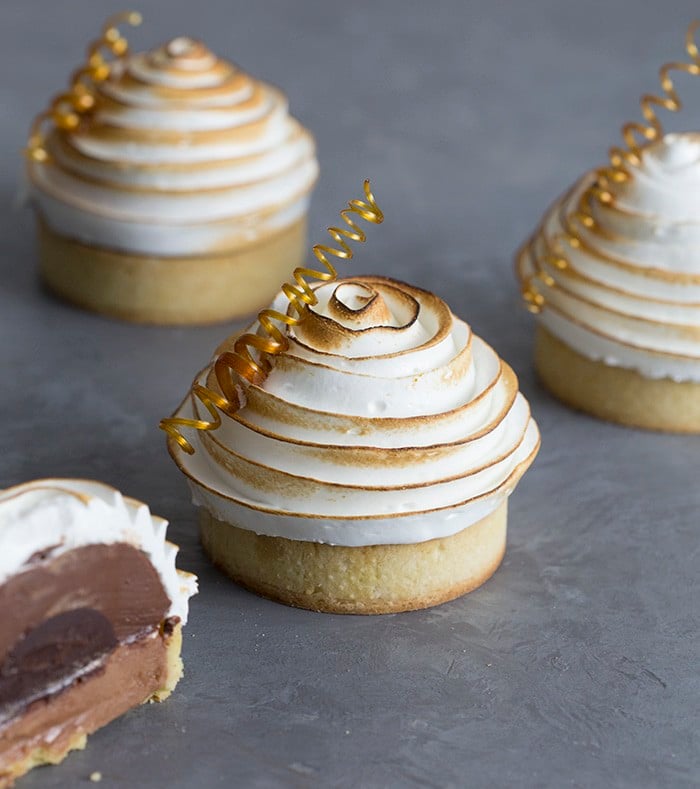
{"points": [[386, 421], [183, 153], [619, 277]]}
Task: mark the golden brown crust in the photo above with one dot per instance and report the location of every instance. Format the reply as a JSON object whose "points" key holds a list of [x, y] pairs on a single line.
{"points": [[212, 287], [614, 393], [375, 579]]}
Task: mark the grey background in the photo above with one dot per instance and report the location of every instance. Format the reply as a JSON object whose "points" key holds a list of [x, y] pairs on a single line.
{"points": [[577, 664]]}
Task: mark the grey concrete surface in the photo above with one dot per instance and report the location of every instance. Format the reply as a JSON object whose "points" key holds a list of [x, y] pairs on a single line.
{"points": [[577, 664]]}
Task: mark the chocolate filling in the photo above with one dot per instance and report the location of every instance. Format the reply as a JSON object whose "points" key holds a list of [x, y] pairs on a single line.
{"points": [[47, 728], [51, 654], [63, 616]]}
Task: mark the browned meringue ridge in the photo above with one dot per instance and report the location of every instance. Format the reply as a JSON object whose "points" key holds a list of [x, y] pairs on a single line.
{"points": [[183, 153], [618, 280], [379, 375]]}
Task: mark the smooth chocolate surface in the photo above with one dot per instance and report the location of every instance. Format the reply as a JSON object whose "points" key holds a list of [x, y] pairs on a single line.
{"points": [[117, 580], [68, 613], [51, 652]]}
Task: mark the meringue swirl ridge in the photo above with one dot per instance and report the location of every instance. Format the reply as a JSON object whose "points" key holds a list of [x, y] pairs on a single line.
{"points": [[66, 108], [613, 268], [637, 135], [182, 153], [385, 421], [269, 340], [625, 288]]}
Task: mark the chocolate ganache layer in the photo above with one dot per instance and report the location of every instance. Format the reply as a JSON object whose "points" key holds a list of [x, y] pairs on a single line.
{"points": [[63, 617]]}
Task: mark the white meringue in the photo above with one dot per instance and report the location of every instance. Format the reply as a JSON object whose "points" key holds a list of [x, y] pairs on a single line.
{"points": [[64, 514], [183, 154], [630, 294], [387, 421]]}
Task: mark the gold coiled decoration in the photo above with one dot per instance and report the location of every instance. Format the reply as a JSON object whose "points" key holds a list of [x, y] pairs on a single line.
{"points": [[534, 300], [636, 137], [250, 361], [66, 109]]}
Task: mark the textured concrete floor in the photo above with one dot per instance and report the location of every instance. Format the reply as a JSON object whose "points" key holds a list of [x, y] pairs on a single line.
{"points": [[577, 664]]}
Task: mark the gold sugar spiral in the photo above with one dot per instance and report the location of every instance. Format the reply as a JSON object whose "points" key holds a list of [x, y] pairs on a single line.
{"points": [[636, 136], [66, 109], [249, 362]]}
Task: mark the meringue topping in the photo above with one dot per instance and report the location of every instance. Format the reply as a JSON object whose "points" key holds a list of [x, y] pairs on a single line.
{"points": [[59, 515], [341, 314], [358, 306], [629, 290], [182, 153], [385, 421]]}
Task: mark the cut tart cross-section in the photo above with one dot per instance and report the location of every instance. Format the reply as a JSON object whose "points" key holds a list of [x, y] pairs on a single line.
{"points": [[93, 608]]}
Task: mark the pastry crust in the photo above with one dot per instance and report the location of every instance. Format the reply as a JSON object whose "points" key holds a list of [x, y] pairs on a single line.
{"points": [[375, 579], [103, 708], [208, 288], [615, 393]]}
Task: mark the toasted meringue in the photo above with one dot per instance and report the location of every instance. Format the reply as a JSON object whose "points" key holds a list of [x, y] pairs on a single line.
{"points": [[181, 197], [621, 303], [386, 428]]}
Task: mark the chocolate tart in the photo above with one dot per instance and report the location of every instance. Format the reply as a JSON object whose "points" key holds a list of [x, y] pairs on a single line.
{"points": [[93, 608]]}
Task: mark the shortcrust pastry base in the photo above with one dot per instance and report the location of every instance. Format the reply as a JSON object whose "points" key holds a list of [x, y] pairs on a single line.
{"points": [[614, 393], [206, 288], [375, 579], [126, 661]]}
